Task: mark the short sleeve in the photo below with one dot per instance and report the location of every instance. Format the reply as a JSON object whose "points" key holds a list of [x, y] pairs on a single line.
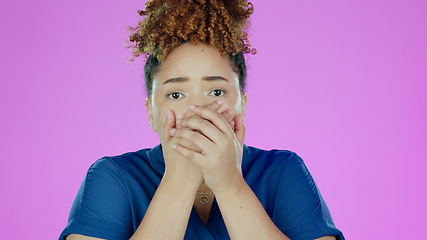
{"points": [[301, 212], [101, 208]]}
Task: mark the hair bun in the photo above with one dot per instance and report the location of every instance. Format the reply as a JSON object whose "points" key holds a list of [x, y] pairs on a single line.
{"points": [[167, 24]]}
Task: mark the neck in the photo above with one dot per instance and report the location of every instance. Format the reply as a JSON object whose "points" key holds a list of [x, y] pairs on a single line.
{"points": [[204, 188]]}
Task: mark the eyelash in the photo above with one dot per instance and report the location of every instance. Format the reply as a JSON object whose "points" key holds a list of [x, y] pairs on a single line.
{"points": [[170, 95], [223, 92]]}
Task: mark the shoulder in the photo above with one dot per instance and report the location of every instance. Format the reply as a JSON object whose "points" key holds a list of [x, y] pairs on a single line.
{"points": [[281, 172], [261, 168], [136, 162], [111, 174], [113, 188], [254, 153], [287, 190], [123, 160], [286, 167], [274, 158]]}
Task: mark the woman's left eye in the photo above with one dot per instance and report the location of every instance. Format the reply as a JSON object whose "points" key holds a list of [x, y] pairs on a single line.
{"points": [[217, 92]]}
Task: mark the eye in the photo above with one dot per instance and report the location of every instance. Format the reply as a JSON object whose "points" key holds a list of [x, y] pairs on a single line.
{"points": [[175, 95], [217, 92]]}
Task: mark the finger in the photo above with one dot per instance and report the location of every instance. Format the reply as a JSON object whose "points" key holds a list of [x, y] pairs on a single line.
{"points": [[168, 124], [239, 128], [215, 118], [231, 123], [192, 156], [228, 115], [215, 106], [185, 143], [201, 141], [204, 127]]}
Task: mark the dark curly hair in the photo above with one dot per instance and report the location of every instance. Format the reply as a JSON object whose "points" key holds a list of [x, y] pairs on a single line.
{"points": [[169, 23]]}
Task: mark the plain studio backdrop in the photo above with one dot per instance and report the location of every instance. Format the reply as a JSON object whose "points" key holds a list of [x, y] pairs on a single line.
{"points": [[341, 83]]}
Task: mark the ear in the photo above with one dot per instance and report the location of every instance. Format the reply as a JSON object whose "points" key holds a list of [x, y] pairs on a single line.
{"points": [[149, 107], [244, 102]]}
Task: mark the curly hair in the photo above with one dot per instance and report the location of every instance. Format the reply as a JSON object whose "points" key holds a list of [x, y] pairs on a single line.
{"points": [[169, 23], [166, 24]]}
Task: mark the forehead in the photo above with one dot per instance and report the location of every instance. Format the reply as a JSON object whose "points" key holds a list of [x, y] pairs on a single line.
{"points": [[195, 61]]}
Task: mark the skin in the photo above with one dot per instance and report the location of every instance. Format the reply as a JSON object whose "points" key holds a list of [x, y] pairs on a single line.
{"points": [[196, 76], [197, 109], [191, 79]]}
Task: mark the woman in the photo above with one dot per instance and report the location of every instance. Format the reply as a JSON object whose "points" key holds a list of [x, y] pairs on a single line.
{"points": [[202, 182]]}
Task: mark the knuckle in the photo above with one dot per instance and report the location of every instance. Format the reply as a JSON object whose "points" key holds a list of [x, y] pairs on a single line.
{"points": [[196, 136], [212, 105], [205, 124], [226, 116], [190, 156]]}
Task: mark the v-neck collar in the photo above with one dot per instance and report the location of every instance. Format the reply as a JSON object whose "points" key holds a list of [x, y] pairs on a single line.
{"points": [[212, 228], [215, 228]]}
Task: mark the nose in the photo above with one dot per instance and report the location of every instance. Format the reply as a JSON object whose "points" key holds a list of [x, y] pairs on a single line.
{"points": [[202, 101]]}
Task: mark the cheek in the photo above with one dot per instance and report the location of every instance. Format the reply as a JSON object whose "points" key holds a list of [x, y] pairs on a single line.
{"points": [[159, 117], [233, 103]]}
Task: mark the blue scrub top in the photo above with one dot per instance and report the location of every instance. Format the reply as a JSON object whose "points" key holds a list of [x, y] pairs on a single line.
{"points": [[116, 192]]}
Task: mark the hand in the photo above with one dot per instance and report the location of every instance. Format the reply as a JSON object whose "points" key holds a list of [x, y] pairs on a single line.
{"points": [[221, 146], [177, 167], [216, 106]]}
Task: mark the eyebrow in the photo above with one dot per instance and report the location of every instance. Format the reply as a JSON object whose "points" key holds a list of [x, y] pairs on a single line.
{"points": [[176, 80], [215, 78], [184, 79]]}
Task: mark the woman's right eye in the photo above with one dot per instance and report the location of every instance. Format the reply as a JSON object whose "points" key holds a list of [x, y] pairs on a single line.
{"points": [[175, 95]]}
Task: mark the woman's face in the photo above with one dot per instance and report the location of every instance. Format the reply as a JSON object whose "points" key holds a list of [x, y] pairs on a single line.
{"points": [[193, 75]]}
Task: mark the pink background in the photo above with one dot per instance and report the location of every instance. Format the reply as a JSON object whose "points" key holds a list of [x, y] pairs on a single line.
{"points": [[342, 83]]}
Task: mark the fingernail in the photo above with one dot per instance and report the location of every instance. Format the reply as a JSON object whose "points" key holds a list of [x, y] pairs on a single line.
{"points": [[178, 121], [172, 131], [219, 101], [230, 112], [173, 146], [193, 106]]}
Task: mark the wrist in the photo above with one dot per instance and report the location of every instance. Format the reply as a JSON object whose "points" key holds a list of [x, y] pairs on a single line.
{"points": [[179, 184], [232, 188]]}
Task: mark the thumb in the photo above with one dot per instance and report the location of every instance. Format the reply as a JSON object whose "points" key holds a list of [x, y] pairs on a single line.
{"points": [[168, 124], [239, 128]]}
